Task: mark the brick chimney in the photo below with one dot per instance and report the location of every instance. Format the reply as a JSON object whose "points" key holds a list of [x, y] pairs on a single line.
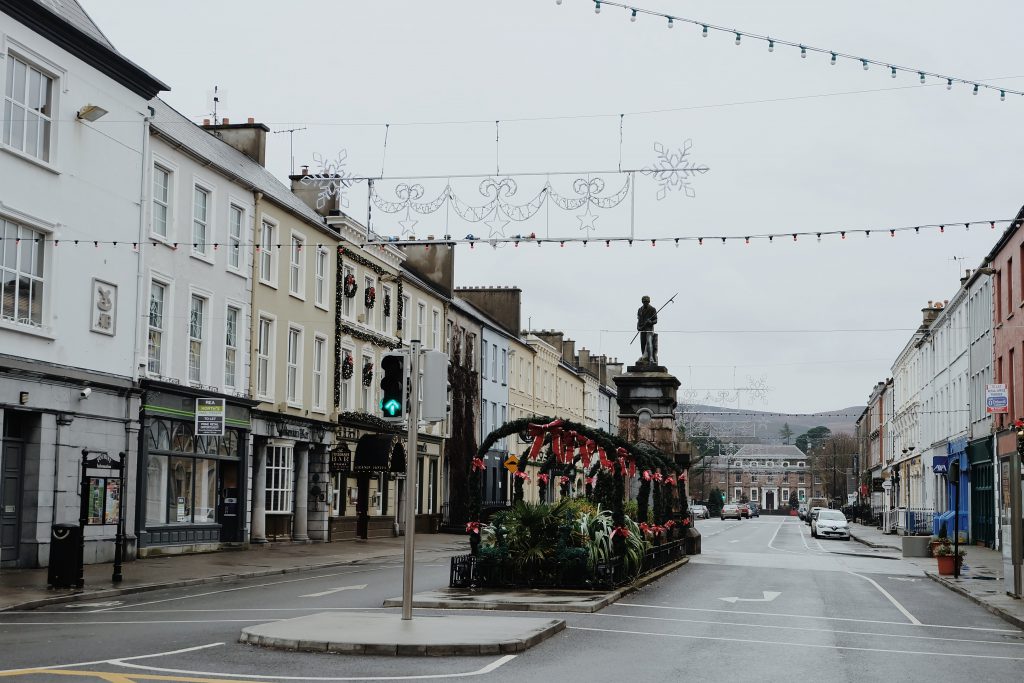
{"points": [[248, 138]]}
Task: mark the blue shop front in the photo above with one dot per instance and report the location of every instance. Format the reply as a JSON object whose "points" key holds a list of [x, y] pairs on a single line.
{"points": [[956, 453]]}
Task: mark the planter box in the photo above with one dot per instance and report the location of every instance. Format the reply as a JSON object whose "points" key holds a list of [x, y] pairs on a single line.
{"points": [[945, 563], [915, 546]]}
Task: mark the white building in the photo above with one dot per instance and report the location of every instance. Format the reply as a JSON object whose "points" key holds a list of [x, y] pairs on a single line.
{"points": [[72, 135]]}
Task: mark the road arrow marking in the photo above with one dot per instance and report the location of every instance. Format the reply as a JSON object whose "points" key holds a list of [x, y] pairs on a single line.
{"points": [[334, 590], [768, 597]]}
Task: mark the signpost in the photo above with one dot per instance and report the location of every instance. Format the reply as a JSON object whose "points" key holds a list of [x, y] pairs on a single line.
{"points": [[512, 464], [210, 413]]}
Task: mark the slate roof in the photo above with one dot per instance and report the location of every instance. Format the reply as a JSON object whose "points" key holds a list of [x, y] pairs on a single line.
{"points": [[176, 126], [754, 450], [73, 13]]}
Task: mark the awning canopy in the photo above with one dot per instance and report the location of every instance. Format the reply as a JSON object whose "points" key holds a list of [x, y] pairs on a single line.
{"points": [[379, 453]]}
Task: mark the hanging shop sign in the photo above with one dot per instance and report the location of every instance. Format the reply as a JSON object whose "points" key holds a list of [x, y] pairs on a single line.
{"points": [[996, 399], [340, 461], [210, 414]]}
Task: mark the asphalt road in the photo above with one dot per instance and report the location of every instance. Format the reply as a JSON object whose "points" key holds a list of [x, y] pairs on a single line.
{"points": [[764, 602]]}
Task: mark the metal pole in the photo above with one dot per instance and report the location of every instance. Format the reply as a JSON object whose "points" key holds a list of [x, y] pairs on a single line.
{"points": [[1016, 551], [119, 541], [956, 526], [410, 480]]}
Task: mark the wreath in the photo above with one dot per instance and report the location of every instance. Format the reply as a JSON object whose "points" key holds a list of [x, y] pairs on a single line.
{"points": [[350, 287], [367, 373], [387, 305], [347, 366], [370, 297]]}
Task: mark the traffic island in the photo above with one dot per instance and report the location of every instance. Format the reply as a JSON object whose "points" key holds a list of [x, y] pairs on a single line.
{"points": [[388, 634]]}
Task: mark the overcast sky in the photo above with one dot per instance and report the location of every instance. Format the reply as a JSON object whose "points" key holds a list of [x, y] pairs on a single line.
{"points": [[792, 144]]}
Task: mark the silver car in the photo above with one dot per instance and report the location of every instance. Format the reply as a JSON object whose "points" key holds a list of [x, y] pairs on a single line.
{"points": [[732, 511], [700, 511], [830, 524]]}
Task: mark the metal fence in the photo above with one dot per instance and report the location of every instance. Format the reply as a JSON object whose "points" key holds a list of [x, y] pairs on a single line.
{"points": [[473, 571], [914, 521]]}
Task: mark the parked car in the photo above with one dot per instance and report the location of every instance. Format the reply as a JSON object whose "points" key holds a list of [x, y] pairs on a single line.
{"points": [[811, 513], [745, 510], [700, 511], [802, 511], [755, 509], [732, 511], [830, 524]]}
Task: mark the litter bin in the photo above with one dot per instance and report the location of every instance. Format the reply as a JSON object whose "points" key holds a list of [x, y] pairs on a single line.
{"points": [[65, 570]]}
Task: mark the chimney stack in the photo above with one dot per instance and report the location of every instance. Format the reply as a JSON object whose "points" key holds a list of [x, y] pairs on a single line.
{"points": [[248, 138]]}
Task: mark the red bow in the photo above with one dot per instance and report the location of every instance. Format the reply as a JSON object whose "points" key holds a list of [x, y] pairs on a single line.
{"points": [[564, 481], [473, 527], [657, 477], [543, 478], [522, 475], [586, 450], [647, 475], [538, 431], [603, 459], [670, 480], [477, 464], [590, 481]]}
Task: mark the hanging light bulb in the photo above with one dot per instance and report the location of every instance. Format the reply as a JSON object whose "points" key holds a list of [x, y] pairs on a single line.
{"points": [[1002, 95], [632, 17], [975, 89], [670, 23], [893, 71], [865, 63], [921, 74], [834, 57], [771, 45], [704, 32], [597, 6], [803, 52], [949, 84], [738, 38]]}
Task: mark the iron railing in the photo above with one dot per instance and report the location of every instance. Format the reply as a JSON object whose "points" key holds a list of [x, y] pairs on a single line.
{"points": [[914, 521], [474, 571]]}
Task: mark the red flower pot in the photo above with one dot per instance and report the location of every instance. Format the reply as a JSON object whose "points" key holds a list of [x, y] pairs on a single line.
{"points": [[945, 564]]}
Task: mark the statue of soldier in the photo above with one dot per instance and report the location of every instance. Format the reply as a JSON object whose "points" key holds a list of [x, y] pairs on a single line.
{"points": [[646, 319]]}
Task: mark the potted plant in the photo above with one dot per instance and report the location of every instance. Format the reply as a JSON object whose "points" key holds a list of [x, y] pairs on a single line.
{"points": [[946, 558], [938, 540]]}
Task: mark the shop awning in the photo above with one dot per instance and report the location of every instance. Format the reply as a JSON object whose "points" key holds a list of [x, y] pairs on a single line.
{"points": [[378, 453], [940, 464]]}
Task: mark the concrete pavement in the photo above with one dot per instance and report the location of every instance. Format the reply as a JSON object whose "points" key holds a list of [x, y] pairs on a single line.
{"points": [[981, 577], [27, 588]]}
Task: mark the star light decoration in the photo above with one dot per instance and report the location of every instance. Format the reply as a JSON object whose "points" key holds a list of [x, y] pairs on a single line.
{"points": [[332, 180], [674, 170]]}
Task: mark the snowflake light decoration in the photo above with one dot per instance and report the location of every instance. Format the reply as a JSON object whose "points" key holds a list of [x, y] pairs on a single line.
{"points": [[674, 170], [332, 179]]}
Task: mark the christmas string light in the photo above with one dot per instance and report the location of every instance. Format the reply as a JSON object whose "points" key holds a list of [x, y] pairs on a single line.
{"points": [[804, 49], [472, 239]]}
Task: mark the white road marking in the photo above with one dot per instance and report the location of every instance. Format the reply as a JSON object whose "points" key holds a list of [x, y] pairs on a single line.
{"points": [[107, 661], [479, 672], [240, 588], [735, 541], [805, 616], [809, 645], [896, 604], [769, 596], [141, 621], [901, 578], [778, 627], [79, 605], [219, 610], [334, 590]]}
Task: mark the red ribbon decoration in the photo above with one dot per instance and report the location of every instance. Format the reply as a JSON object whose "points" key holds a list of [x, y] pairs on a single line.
{"points": [[522, 475], [670, 480], [590, 481], [543, 478], [647, 475], [538, 432], [657, 476], [477, 464], [588, 448], [603, 459], [564, 481]]}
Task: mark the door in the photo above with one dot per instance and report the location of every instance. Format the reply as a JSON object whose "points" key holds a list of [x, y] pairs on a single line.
{"points": [[769, 500], [983, 526], [228, 501], [10, 500]]}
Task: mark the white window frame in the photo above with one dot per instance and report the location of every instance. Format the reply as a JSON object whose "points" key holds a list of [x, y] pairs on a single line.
{"points": [[232, 349], [235, 253], [293, 366], [166, 203], [268, 256], [801, 494], [196, 337], [347, 398], [264, 345], [297, 266], [494, 362], [56, 76], [435, 329], [204, 250], [163, 330], [321, 269], [319, 373], [738, 493], [406, 303], [279, 464], [421, 320], [504, 367]]}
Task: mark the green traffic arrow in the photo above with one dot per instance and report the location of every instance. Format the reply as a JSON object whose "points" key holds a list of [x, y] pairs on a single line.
{"points": [[392, 407]]}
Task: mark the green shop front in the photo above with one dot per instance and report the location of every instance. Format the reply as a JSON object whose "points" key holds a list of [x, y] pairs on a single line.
{"points": [[194, 456]]}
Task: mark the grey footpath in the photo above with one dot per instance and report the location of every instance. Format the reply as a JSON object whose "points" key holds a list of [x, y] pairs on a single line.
{"points": [[387, 634]]}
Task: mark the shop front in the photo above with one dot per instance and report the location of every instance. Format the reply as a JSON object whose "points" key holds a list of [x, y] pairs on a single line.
{"points": [[194, 449]]}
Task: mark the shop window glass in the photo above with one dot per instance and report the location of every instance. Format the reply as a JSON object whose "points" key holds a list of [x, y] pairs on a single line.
{"points": [[181, 437], [206, 491], [156, 490], [180, 502], [159, 435]]}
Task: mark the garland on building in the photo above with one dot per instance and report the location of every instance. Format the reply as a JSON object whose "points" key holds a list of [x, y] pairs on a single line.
{"points": [[401, 305], [338, 286], [368, 421], [377, 339], [361, 260]]}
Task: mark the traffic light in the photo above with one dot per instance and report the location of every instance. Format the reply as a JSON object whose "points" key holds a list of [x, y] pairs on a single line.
{"points": [[393, 385]]}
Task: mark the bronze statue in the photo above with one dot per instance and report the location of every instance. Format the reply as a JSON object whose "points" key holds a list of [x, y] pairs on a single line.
{"points": [[646, 319]]}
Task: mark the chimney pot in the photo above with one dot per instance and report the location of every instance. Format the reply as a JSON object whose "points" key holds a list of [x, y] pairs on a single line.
{"points": [[226, 122], [305, 170], [206, 122], [251, 120]]}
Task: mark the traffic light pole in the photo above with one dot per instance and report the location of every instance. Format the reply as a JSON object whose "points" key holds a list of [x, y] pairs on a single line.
{"points": [[410, 479]]}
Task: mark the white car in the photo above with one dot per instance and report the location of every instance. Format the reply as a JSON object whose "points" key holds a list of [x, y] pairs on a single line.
{"points": [[830, 524], [700, 511]]}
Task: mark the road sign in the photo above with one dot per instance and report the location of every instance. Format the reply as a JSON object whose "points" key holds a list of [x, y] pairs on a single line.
{"points": [[512, 464], [996, 399], [887, 484]]}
